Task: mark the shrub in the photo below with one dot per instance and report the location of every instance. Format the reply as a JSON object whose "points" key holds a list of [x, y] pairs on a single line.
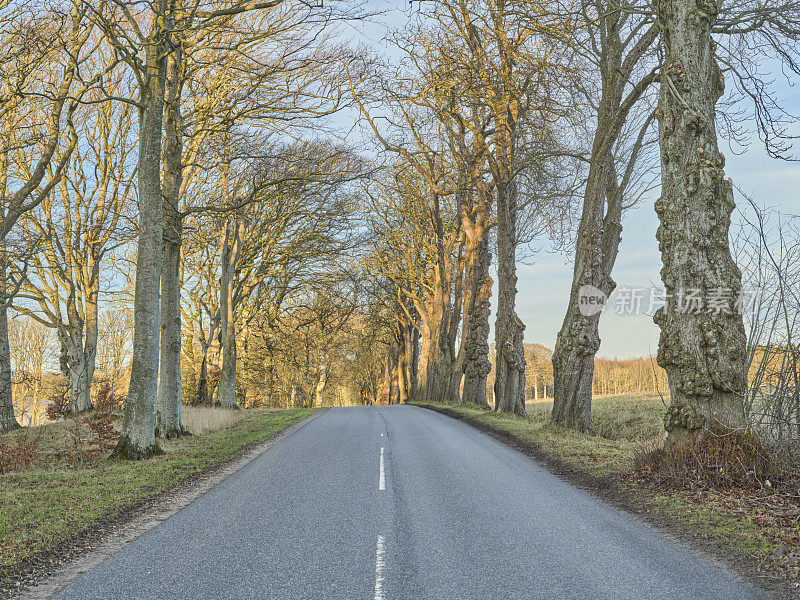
{"points": [[16, 457], [92, 436], [58, 407], [106, 401], [721, 458]]}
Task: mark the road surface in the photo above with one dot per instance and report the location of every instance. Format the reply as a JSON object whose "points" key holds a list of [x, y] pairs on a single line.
{"points": [[401, 503]]}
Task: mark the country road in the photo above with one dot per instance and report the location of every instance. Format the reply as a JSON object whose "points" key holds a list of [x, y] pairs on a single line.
{"points": [[397, 502]]}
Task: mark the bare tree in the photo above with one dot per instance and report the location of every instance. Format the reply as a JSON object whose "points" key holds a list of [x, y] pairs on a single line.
{"points": [[29, 342], [78, 225], [767, 248], [512, 72], [37, 99], [620, 44]]}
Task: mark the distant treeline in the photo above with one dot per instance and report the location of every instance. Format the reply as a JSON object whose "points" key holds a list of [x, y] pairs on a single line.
{"points": [[611, 375]]}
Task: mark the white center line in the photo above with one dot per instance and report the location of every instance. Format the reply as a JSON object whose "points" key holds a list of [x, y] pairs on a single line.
{"points": [[382, 478], [380, 563]]}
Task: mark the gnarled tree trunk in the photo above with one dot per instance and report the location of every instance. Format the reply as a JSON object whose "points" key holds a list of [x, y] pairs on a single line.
{"points": [[703, 351], [579, 339], [509, 385], [601, 221], [478, 284]]}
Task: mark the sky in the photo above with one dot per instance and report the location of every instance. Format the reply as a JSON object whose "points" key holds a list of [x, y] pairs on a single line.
{"points": [[543, 284]]}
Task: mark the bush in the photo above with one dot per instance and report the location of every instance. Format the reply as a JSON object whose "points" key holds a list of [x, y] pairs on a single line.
{"points": [[92, 436], [16, 457], [722, 458], [58, 407], [106, 401]]}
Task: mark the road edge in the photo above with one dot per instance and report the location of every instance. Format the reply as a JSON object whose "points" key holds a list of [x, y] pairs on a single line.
{"points": [[110, 538], [610, 491]]}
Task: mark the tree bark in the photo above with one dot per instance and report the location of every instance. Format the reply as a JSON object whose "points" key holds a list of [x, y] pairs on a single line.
{"points": [[509, 385], [8, 420], [230, 257], [137, 439], [168, 404], [703, 351], [322, 379], [477, 365]]}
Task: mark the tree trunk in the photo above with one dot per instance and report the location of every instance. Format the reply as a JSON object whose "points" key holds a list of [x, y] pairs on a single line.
{"points": [[434, 358], [579, 339], [74, 367], [414, 360], [322, 380], [8, 420], [202, 380], [597, 245], [402, 363], [456, 357], [425, 348], [230, 257], [477, 365], [168, 404], [73, 357], [600, 226], [703, 351], [509, 385], [90, 343], [137, 439], [168, 410]]}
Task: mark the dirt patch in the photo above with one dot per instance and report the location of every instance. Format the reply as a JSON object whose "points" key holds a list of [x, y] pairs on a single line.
{"points": [[42, 577], [636, 499]]}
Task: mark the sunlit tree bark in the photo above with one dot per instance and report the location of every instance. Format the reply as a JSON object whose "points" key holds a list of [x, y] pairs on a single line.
{"points": [[703, 351]]}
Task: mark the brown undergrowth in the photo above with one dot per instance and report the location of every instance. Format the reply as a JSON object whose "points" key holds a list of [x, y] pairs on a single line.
{"points": [[734, 473]]}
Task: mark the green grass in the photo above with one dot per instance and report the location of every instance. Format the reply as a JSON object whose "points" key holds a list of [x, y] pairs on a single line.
{"points": [[623, 424], [47, 506]]}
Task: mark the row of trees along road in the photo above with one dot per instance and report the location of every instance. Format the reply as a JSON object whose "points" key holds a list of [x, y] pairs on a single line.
{"points": [[485, 120], [184, 154], [221, 90]]}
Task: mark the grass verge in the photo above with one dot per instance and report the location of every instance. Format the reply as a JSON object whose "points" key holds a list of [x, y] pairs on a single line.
{"points": [[753, 531], [51, 507]]}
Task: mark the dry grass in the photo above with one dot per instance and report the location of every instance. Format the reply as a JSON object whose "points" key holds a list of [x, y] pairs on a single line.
{"points": [[723, 459], [199, 420], [628, 417]]}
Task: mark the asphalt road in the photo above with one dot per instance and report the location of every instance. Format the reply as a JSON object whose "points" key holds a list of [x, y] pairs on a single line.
{"points": [[385, 503]]}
